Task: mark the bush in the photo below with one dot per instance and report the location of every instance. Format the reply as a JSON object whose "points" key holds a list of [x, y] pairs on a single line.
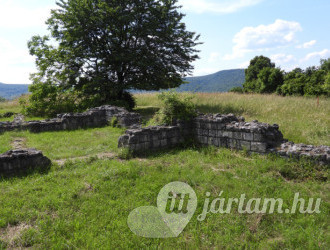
{"points": [[237, 90], [175, 107], [2, 99], [47, 100]]}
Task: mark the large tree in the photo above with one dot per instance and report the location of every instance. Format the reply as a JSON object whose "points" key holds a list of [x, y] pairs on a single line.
{"points": [[99, 49], [261, 76]]}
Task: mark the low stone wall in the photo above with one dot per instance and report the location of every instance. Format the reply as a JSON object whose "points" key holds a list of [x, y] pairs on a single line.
{"points": [[18, 161], [96, 117], [218, 130], [232, 132], [320, 154], [124, 118], [222, 131], [151, 138]]}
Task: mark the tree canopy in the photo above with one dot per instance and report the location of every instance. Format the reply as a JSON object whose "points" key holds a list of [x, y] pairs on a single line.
{"points": [[99, 49], [263, 77]]}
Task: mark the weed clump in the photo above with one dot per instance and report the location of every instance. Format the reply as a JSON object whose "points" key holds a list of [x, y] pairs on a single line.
{"points": [[175, 107]]}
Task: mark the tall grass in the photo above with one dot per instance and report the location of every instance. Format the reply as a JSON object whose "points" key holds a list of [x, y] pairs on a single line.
{"points": [[300, 118]]}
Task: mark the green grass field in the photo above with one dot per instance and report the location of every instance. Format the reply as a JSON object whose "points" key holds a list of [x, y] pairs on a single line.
{"points": [[85, 202], [299, 118]]}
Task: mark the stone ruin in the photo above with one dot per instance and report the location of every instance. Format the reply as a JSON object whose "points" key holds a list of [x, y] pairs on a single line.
{"points": [[319, 154], [16, 161], [95, 117], [19, 161], [215, 129], [222, 131]]}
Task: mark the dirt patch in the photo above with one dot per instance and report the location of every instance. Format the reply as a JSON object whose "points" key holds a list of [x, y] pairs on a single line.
{"points": [[11, 234], [105, 155], [254, 222], [19, 143]]}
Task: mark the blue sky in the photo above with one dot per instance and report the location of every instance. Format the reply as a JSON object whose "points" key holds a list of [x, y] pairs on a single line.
{"points": [[293, 33]]}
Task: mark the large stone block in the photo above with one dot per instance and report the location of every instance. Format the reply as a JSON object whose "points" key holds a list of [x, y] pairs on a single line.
{"points": [[245, 145], [248, 136], [258, 137], [210, 141], [156, 143], [212, 133], [228, 134], [232, 143], [174, 140], [220, 133], [205, 132], [259, 147], [238, 135], [18, 161], [164, 143]]}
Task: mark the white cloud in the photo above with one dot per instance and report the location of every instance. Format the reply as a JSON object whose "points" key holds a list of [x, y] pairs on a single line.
{"points": [[320, 54], [225, 6], [19, 20], [15, 15], [243, 65], [214, 56], [264, 37], [282, 58], [15, 64], [307, 45]]}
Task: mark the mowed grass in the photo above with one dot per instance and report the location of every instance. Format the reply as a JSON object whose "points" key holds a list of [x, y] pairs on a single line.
{"points": [[85, 203], [300, 119]]}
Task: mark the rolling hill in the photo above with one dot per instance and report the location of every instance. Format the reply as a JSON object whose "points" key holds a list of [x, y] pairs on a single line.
{"points": [[221, 81], [10, 91]]}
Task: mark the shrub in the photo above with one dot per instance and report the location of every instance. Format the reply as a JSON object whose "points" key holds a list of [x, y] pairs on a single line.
{"points": [[237, 90], [47, 100], [175, 107]]}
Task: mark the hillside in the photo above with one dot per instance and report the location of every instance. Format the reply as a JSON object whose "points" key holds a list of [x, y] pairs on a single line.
{"points": [[10, 91], [221, 81]]}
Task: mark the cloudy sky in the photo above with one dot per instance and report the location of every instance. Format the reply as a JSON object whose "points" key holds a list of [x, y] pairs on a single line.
{"points": [[293, 33]]}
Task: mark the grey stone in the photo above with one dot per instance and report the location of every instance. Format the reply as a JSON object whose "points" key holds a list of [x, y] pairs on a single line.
{"points": [[248, 136], [228, 134], [232, 143], [258, 137], [259, 147], [17, 161], [245, 145], [237, 135]]}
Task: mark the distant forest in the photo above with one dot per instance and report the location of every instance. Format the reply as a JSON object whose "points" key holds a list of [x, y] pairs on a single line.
{"points": [[263, 77]]}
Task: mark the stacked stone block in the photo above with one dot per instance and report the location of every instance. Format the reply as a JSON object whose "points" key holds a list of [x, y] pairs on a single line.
{"points": [[151, 138], [217, 130], [18, 161], [96, 117], [232, 132], [320, 154], [124, 118]]}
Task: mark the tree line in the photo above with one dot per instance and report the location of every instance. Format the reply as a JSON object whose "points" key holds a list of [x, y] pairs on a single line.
{"points": [[262, 76]]}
